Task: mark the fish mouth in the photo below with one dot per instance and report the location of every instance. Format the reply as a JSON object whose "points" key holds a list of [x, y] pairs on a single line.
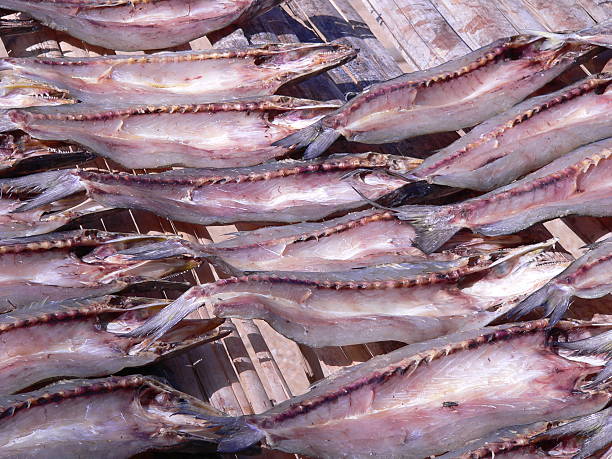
{"points": [[14, 90]]}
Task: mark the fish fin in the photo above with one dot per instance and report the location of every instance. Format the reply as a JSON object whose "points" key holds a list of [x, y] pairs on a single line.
{"points": [[432, 224], [169, 248], [415, 192], [172, 314], [233, 434], [555, 300], [46, 162], [596, 428], [598, 344], [6, 123], [315, 138], [53, 185]]}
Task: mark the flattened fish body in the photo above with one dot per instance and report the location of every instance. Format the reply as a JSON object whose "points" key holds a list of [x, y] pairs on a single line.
{"points": [[525, 138], [394, 405], [84, 338], [108, 418], [221, 134], [137, 25], [179, 77]]}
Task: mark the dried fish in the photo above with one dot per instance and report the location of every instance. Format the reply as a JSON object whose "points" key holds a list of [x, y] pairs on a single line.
{"points": [[44, 219], [220, 134], [114, 417], [132, 25], [394, 405], [175, 77], [74, 264], [574, 439], [21, 154], [599, 34], [452, 96], [408, 302], [525, 138], [590, 276], [359, 239], [576, 183], [17, 26], [285, 191], [84, 338]]}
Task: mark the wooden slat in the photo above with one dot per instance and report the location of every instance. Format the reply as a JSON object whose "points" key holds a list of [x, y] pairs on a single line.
{"points": [[538, 14], [597, 9], [478, 22]]}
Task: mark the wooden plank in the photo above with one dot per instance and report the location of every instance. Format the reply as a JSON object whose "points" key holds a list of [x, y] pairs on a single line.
{"points": [[598, 9], [478, 22], [421, 33], [543, 14]]}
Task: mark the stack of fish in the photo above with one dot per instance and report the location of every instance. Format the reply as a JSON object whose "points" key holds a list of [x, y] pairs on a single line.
{"points": [[364, 255]]}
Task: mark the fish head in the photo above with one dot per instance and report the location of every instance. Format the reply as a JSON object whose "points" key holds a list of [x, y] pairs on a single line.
{"points": [[292, 114], [120, 266], [306, 59], [547, 52], [20, 92]]}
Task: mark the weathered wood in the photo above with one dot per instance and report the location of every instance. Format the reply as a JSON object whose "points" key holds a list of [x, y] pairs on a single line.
{"points": [[539, 14]]}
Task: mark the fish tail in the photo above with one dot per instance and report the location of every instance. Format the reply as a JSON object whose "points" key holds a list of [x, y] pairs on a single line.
{"points": [[316, 138], [163, 321], [233, 434], [553, 298], [6, 123], [52, 185], [595, 428], [595, 345], [432, 224]]}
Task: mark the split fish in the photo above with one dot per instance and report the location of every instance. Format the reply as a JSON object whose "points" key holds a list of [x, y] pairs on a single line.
{"points": [[132, 25], [219, 134], [455, 95]]}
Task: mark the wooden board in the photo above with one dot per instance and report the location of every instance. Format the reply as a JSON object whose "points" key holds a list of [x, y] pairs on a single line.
{"points": [[254, 367]]}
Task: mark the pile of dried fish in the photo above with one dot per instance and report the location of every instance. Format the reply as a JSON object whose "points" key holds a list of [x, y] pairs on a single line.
{"points": [[365, 255]]}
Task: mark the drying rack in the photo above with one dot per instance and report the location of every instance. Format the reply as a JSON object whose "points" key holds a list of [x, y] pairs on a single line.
{"points": [[254, 367]]}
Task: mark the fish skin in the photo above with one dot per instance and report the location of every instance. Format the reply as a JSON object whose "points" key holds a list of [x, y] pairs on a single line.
{"points": [[107, 418], [57, 271], [577, 183], [525, 138], [83, 338], [176, 77], [590, 276], [134, 26], [284, 191], [482, 84], [409, 302], [577, 438], [21, 154], [356, 240], [221, 134], [392, 406]]}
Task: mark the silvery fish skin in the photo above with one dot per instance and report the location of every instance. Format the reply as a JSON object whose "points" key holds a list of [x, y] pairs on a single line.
{"points": [[43, 219], [106, 418], [599, 34], [452, 96], [74, 264], [577, 183], [357, 240], [132, 25], [285, 191], [578, 438], [428, 398], [175, 77], [407, 302], [83, 338], [21, 92], [525, 138], [590, 276], [219, 134], [21, 154], [600, 345]]}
